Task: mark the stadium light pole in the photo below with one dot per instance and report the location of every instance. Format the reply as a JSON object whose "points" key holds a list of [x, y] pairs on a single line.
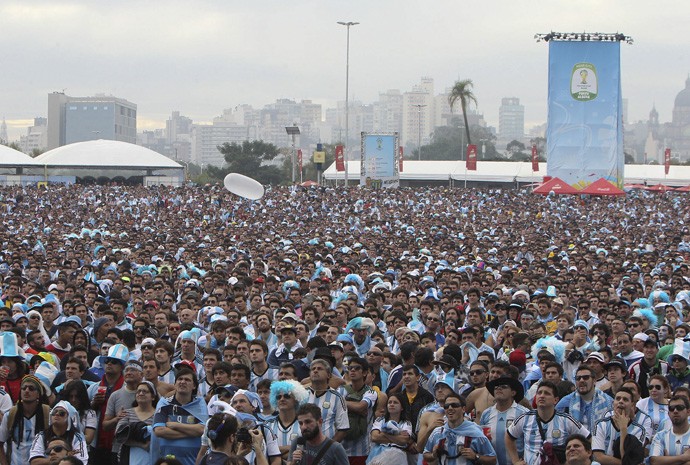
{"points": [[419, 129], [347, 24]]}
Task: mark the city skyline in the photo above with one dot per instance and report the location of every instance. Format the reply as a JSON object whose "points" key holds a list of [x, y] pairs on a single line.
{"points": [[177, 58]]}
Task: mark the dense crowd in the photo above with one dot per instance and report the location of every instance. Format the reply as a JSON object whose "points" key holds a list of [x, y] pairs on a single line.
{"points": [[329, 326]]}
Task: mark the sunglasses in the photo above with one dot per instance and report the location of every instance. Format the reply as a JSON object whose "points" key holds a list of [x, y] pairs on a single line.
{"points": [[633, 325], [375, 354], [452, 405], [29, 388], [676, 408], [56, 449], [283, 396], [653, 387], [354, 367], [433, 319], [60, 413], [583, 378], [111, 361]]}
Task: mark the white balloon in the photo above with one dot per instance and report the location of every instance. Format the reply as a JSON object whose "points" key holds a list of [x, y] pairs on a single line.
{"points": [[243, 186]]}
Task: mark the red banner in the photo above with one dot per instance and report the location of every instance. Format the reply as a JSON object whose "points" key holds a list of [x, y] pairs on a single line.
{"points": [[667, 160], [471, 157], [299, 159], [400, 159], [339, 158], [535, 158]]}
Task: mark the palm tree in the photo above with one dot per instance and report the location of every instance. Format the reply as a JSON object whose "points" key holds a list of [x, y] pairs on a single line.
{"points": [[462, 90]]}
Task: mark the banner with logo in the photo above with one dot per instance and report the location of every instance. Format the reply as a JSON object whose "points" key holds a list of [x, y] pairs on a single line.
{"points": [[380, 152], [299, 159], [584, 133], [339, 159], [400, 159], [471, 163], [667, 160], [535, 158]]}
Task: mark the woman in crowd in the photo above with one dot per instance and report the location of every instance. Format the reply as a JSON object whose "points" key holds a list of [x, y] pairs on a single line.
{"points": [[63, 424], [656, 405], [75, 393], [392, 431], [133, 431]]}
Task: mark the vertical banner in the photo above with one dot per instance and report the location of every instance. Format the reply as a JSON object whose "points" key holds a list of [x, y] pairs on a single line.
{"points": [[535, 158], [471, 163], [667, 160], [584, 131], [380, 152], [299, 159], [339, 159], [400, 159]]}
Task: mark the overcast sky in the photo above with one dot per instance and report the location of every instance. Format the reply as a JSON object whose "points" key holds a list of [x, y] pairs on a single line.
{"points": [[199, 56]]}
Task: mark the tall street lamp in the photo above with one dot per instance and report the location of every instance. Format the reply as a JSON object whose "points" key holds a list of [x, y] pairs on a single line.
{"points": [[419, 129], [347, 24]]}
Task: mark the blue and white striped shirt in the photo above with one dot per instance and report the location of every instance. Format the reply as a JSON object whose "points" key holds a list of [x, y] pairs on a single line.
{"points": [[605, 434], [495, 424], [333, 411], [668, 443], [284, 434], [557, 430], [270, 373], [360, 447], [658, 412]]}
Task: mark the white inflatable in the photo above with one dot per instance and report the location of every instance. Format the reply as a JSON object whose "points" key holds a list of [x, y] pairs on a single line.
{"points": [[243, 186]]}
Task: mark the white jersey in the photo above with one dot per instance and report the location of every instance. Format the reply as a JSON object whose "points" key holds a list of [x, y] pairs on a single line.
{"points": [[360, 446], [20, 446], [495, 423], [658, 412], [667, 443], [285, 434], [333, 411]]}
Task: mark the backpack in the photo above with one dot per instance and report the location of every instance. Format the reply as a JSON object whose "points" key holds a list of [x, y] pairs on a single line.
{"points": [[358, 423]]}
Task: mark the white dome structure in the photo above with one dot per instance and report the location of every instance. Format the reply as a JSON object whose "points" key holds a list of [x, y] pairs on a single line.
{"points": [[12, 158], [105, 154]]}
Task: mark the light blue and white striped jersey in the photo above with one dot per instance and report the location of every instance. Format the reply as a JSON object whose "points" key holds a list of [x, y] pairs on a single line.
{"points": [[333, 411], [270, 373], [204, 388], [605, 434], [495, 423], [557, 430], [641, 418], [658, 412], [168, 377], [667, 443], [360, 447], [284, 434]]}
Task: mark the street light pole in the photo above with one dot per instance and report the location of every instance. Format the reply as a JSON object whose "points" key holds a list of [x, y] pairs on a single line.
{"points": [[347, 24], [419, 129]]}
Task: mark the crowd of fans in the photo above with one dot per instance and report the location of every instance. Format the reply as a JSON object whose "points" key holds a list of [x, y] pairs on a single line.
{"points": [[328, 326]]}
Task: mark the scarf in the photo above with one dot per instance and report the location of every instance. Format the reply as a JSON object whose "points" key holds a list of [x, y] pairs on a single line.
{"points": [[364, 348], [465, 429], [599, 407]]}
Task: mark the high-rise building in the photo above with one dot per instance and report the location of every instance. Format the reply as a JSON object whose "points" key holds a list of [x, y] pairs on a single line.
{"points": [[78, 119], [207, 137], [511, 119], [36, 137], [418, 114], [3, 131]]}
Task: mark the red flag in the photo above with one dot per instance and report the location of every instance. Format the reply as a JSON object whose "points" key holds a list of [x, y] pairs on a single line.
{"points": [[535, 158], [471, 158], [339, 158], [667, 160], [400, 159], [299, 158]]}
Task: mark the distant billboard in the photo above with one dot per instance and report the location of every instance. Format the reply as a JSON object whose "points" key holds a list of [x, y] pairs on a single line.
{"points": [[584, 134], [380, 167]]}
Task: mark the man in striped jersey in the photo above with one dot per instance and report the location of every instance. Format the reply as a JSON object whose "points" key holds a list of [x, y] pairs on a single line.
{"points": [[331, 403], [361, 404], [619, 425], [258, 352], [672, 446], [540, 426], [494, 421]]}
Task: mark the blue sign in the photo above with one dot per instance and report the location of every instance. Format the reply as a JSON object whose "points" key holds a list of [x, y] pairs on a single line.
{"points": [[379, 160], [584, 135]]}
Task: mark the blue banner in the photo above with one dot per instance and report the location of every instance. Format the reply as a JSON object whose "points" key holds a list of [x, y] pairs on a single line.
{"points": [[380, 160], [584, 134]]}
